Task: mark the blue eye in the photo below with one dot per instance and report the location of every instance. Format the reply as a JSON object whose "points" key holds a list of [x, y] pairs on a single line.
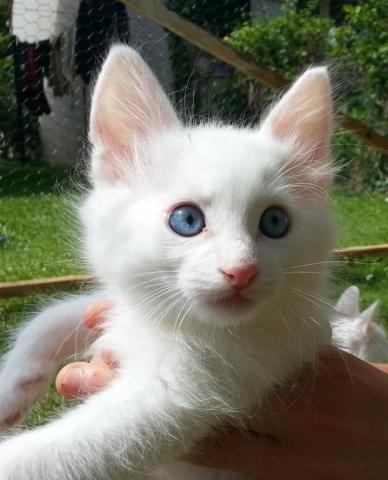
{"points": [[274, 222], [187, 220]]}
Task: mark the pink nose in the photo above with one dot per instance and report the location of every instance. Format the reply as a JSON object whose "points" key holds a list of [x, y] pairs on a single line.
{"points": [[240, 277]]}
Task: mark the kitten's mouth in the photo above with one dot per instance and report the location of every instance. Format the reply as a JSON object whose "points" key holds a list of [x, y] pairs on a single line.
{"points": [[233, 300]]}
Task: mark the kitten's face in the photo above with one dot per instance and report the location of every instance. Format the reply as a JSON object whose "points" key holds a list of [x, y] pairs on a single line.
{"points": [[203, 224], [229, 179]]}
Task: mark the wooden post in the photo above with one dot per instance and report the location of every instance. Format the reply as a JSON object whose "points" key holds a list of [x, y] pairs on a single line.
{"points": [[157, 12]]}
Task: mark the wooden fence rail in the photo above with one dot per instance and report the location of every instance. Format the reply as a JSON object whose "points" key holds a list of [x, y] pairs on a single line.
{"points": [[29, 287], [23, 288], [157, 12]]}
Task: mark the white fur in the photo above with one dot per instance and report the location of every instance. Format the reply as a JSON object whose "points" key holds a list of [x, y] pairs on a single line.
{"points": [[34, 357], [187, 361], [357, 332]]}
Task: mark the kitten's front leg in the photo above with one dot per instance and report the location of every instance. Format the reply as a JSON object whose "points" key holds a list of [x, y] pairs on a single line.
{"points": [[41, 345], [128, 429]]}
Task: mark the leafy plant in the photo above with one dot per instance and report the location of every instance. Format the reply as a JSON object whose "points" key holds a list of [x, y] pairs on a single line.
{"points": [[203, 85], [357, 51]]}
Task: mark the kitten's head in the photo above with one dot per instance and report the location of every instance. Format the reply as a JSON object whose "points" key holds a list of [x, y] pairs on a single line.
{"points": [[358, 332], [212, 219]]}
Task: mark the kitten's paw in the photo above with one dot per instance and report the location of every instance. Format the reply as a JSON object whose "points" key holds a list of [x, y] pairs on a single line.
{"points": [[18, 392]]}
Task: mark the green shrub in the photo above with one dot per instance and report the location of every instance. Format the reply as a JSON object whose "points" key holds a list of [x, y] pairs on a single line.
{"points": [[285, 44], [357, 51], [203, 85]]}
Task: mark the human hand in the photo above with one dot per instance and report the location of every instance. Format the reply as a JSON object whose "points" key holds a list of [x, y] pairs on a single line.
{"points": [[331, 424], [79, 379]]}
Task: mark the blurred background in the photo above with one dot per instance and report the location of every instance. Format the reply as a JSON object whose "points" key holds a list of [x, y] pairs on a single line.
{"points": [[50, 51]]}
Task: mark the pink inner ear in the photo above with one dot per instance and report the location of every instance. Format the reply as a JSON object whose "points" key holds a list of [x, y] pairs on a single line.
{"points": [[112, 167], [128, 106], [303, 118], [128, 112], [125, 111]]}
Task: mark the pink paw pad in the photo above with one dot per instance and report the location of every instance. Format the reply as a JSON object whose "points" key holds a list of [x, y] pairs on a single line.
{"points": [[32, 383], [13, 419]]}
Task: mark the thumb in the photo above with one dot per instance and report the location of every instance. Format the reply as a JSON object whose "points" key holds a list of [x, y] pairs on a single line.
{"points": [[80, 379]]}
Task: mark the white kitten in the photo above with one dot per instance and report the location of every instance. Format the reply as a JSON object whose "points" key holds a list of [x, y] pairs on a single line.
{"points": [[357, 332], [213, 243]]}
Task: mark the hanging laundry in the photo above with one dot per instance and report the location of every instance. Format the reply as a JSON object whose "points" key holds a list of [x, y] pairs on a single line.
{"points": [[57, 80], [32, 64], [99, 24]]}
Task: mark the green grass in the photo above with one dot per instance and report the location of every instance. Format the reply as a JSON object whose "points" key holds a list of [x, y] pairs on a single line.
{"points": [[38, 245], [362, 219], [35, 222]]}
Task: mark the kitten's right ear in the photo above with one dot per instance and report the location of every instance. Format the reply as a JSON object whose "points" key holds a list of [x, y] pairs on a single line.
{"points": [[303, 118], [128, 105]]}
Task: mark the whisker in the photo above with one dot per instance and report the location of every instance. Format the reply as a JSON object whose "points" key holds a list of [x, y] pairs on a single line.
{"points": [[169, 308], [189, 308], [313, 300], [161, 304], [318, 297], [327, 262]]}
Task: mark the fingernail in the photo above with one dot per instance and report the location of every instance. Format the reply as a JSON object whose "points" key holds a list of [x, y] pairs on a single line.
{"points": [[33, 382], [72, 381]]}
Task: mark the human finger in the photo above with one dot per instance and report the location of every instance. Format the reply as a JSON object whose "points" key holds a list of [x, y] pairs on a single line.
{"points": [[95, 314], [80, 379]]}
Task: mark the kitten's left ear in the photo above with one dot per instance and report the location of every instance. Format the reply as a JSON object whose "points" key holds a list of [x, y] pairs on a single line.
{"points": [[303, 117]]}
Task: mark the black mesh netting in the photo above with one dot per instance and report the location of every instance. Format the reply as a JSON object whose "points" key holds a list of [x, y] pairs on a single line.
{"points": [[51, 49]]}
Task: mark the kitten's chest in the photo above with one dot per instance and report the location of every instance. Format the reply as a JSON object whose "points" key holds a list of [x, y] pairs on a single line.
{"points": [[225, 372]]}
